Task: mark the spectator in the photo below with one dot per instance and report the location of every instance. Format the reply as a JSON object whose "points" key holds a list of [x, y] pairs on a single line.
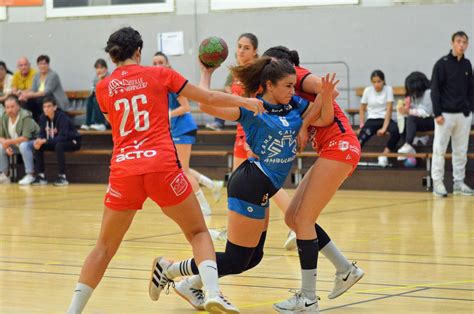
{"points": [[57, 133], [17, 131], [45, 83], [452, 94], [94, 118], [377, 100], [6, 78], [23, 78], [419, 109]]}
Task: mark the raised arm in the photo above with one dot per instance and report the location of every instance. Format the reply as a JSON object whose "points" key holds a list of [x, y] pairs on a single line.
{"points": [[326, 117]]}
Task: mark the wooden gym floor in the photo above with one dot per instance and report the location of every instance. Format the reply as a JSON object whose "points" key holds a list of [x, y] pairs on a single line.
{"points": [[417, 251]]}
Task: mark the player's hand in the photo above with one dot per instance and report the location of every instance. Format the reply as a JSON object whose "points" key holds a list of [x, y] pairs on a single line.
{"points": [[381, 132], [439, 120], [205, 69], [9, 151], [302, 139], [253, 104], [328, 83]]}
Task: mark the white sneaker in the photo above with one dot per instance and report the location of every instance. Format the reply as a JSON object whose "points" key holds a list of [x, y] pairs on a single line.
{"points": [[219, 304], [298, 303], [383, 161], [217, 235], [439, 189], [406, 149], [290, 243], [98, 127], [461, 188], [423, 140], [194, 296], [345, 281], [217, 190], [158, 279], [27, 180], [85, 127], [4, 179]]}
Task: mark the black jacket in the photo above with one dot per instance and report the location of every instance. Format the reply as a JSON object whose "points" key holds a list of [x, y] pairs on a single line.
{"points": [[60, 129], [452, 86]]}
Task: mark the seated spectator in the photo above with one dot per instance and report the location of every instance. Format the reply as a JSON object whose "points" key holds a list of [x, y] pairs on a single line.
{"points": [[377, 100], [6, 78], [94, 118], [57, 133], [45, 83], [418, 107], [23, 78], [17, 132]]}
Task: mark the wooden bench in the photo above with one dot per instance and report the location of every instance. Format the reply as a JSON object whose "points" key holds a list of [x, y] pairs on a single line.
{"points": [[76, 100], [397, 91]]}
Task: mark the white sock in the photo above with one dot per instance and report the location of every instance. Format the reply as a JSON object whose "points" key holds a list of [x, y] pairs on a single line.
{"points": [[308, 283], [207, 182], [209, 277], [195, 281], [205, 207], [335, 256], [81, 295], [179, 269]]}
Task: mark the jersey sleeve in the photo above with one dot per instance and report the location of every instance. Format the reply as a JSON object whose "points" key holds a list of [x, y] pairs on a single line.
{"points": [[301, 75], [99, 95], [301, 104], [245, 116], [174, 81], [389, 94], [365, 96]]}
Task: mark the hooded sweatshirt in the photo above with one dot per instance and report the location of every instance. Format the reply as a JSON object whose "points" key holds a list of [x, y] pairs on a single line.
{"points": [[59, 129]]}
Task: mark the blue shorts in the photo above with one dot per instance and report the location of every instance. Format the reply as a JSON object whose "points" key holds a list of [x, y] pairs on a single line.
{"points": [[186, 138], [249, 191]]}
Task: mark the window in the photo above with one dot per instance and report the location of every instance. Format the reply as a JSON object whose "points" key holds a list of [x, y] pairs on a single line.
{"points": [[252, 4], [69, 8]]}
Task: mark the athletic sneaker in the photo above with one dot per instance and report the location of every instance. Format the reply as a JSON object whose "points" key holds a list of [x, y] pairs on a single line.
{"points": [[383, 161], [406, 149], [98, 127], [85, 127], [195, 297], [290, 243], [158, 279], [61, 180], [217, 303], [462, 188], [298, 303], [345, 281], [218, 235], [27, 179], [4, 178], [217, 190], [39, 180], [439, 189], [214, 126]]}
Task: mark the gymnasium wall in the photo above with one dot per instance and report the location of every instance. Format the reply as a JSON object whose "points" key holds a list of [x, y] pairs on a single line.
{"points": [[395, 38]]}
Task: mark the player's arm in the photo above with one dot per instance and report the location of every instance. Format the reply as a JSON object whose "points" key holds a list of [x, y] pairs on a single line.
{"points": [[312, 84], [219, 104], [183, 107], [326, 116]]}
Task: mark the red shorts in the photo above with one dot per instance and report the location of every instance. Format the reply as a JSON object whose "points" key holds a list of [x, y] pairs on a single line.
{"points": [[344, 148], [164, 188]]}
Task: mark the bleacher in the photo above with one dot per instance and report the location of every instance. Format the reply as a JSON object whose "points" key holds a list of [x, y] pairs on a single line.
{"points": [[213, 154]]}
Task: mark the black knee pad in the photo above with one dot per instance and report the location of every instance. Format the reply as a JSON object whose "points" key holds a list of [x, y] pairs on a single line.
{"points": [[258, 253], [237, 259]]}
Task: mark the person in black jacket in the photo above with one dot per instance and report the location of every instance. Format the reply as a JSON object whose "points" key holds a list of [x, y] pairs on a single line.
{"points": [[452, 95], [57, 133]]}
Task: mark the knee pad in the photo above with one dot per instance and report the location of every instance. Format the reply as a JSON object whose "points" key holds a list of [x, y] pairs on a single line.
{"points": [[237, 257], [258, 253]]}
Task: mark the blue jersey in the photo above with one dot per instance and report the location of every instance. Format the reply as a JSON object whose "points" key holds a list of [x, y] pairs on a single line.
{"points": [[272, 136], [181, 124]]}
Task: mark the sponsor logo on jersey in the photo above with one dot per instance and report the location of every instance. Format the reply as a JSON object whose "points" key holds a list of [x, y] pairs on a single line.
{"points": [[117, 86], [179, 185], [343, 145], [134, 152], [112, 192]]}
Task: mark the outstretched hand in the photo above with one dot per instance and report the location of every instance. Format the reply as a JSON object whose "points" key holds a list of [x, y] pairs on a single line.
{"points": [[205, 69], [328, 83], [255, 105]]}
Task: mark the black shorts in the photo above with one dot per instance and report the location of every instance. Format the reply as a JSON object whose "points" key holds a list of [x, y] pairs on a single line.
{"points": [[249, 191]]}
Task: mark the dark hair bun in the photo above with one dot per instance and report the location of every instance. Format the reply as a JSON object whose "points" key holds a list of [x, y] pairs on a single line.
{"points": [[123, 43]]}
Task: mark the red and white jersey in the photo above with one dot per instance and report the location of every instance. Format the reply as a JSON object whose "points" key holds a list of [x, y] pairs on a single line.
{"points": [[321, 135], [135, 98]]}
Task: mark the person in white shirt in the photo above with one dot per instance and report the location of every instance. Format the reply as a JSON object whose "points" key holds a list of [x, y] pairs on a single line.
{"points": [[6, 79], [377, 100]]}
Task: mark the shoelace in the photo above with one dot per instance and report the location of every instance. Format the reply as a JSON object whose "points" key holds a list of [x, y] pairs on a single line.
{"points": [[198, 293], [167, 285]]}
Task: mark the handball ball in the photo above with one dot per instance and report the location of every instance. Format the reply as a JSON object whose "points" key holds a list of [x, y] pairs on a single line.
{"points": [[213, 51], [410, 162]]}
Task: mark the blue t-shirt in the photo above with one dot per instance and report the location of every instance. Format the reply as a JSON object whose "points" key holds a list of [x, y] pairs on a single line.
{"points": [[272, 136], [181, 124]]}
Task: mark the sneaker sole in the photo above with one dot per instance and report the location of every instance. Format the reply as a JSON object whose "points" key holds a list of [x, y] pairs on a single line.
{"points": [[440, 195], [341, 292], [199, 308], [216, 308], [462, 193], [151, 285]]}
